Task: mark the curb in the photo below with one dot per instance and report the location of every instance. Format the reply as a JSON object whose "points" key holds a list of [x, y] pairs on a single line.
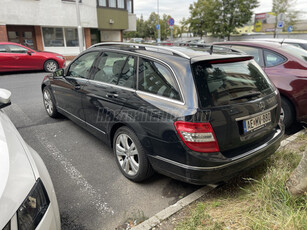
{"points": [[169, 211]]}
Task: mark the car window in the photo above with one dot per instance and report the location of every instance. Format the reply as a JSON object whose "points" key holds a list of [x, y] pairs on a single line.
{"points": [[297, 52], [157, 79], [81, 67], [272, 58], [2, 49], [17, 49], [253, 51], [228, 83], [117, 69]]}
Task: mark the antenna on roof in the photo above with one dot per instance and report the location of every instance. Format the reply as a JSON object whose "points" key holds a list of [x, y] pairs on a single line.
{"points": [[211, 49], [282, 41]]}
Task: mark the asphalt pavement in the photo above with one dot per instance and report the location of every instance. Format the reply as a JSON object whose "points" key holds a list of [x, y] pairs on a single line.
{"points": [[91, 191]]}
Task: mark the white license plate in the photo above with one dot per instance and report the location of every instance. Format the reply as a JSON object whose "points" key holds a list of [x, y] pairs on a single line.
{"points": [[256, 122]]}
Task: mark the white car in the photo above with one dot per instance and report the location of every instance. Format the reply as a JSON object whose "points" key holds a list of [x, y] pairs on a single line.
{"points": [[27, 197]]}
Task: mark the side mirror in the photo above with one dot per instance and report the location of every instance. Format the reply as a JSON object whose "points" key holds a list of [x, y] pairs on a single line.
{"points": [[29, 52], [58, 73], [5, 98]]}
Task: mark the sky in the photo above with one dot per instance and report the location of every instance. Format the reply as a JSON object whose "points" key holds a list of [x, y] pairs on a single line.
{"points": [[180, 8]]}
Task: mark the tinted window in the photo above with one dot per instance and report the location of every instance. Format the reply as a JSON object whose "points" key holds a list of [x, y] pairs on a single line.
{"points": [[81, 67], [157, 79], [255, 52], [228, 83], [17, 49], [115, 68], [297, 52], [2, 49], [272, 58]]}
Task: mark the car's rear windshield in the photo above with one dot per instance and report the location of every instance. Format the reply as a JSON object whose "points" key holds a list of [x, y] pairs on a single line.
{"points": [[230, 83], [295, 51]]}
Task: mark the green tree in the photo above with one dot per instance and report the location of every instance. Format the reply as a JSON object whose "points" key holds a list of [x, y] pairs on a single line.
{"points": [[220, 17]]}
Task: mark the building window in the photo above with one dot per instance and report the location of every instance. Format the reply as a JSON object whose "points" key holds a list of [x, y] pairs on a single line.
{"points": [[129, 6], [71, 1], [71, 36], [112, 3], [121, 4], [53, 37], [102, 3]]}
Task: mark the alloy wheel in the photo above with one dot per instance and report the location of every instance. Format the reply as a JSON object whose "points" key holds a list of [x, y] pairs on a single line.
{"points": [[48, 102], [127, 154]]}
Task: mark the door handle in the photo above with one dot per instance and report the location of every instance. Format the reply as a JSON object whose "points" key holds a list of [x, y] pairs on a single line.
{"points": [[77, 87], [112, 95]]}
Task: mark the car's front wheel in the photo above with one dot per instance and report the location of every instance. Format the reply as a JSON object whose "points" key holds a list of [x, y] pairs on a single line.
{"points": [[130, 155], [51, 66], [49, 103]]}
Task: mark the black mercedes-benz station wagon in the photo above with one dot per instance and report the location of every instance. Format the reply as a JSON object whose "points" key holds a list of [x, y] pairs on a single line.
{"points": [[197, 116]]}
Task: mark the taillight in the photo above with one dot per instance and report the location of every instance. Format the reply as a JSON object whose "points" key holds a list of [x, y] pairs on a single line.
{"points": [[198, 137]]}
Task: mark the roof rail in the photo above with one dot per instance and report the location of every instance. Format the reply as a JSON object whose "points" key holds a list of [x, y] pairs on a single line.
{"points": [[145, 47]]}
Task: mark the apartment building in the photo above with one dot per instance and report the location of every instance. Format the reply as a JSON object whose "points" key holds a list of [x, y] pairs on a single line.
{"points": [[51, 25]]}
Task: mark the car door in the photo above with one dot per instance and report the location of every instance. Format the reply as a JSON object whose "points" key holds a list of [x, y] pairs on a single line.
{"points": [[4, 56], [111, 85], [68, 89], [16, 58]]}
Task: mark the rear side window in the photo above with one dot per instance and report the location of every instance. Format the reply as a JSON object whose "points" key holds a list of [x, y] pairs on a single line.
{"points": [[272, 58], [229, 83], [157, 79], [2, 49], [117, 69]]}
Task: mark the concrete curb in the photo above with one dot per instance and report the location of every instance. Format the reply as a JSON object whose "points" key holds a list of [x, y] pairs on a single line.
{"points": [[169, 211]]}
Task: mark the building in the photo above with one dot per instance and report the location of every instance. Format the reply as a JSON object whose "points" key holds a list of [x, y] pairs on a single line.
{"points": [[52, 25]]}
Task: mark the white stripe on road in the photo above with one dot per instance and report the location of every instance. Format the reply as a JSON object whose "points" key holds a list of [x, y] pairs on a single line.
{"points": [[95, 198]]}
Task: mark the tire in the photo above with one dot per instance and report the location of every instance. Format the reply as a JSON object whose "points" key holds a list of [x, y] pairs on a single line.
{"points": [[51, 66], [132, 163], [287, 113], [49, 103]]}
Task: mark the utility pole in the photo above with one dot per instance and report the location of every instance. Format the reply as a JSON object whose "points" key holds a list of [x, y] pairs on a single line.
{"points": [[80, 35], [159, 29]]}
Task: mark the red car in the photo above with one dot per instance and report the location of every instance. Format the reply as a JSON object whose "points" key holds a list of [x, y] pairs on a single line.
{"points": [[16, 57], [286, 66]]}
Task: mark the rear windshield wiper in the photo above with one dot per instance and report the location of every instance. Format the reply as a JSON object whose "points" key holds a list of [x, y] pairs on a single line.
{"points": [[246, 96]]}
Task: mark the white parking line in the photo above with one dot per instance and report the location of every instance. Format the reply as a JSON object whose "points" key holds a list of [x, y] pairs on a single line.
{"points": [[95, 198]]}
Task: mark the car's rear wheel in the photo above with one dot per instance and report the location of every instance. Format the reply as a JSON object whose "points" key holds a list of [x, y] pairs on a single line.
{"points": [[287, 112], [49, 103], [51, 66], [130, 155]]}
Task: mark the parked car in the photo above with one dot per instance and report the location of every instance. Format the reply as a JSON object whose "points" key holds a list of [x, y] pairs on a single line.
{"points": [[301, 43], [16, 57], [194, 116], [27, 197], [286, 66]]}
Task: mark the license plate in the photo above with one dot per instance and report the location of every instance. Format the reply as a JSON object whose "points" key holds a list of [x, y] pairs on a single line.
{"points": [[256, 123]]}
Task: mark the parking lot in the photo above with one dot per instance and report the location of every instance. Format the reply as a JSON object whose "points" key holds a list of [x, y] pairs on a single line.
{"points": [[91, 191]]}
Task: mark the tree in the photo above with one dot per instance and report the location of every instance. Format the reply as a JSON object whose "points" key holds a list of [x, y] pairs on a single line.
{"points": [[284, 7], [220, 17]]}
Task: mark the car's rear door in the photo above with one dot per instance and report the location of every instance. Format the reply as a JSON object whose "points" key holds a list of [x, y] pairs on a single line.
{"points": [[111, 85], [68, 89]]}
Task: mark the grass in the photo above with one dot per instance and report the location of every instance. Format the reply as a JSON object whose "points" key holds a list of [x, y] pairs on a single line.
{"points": [[259, 200]]}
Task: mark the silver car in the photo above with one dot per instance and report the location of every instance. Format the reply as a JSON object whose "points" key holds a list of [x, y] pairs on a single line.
{"points": [[27, 197]]}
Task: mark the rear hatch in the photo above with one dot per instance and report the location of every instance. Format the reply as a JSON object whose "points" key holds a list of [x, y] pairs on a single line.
{"points": [[243, 104]]}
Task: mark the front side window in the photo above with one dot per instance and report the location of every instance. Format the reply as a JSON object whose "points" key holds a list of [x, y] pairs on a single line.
{"points": [[71, 35], [17, 49], [272, 58], [229, 83], [117, 69], [53, 37], [157, 79], [81, 67]]}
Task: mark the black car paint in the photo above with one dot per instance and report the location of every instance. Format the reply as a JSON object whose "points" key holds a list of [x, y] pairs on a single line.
{"points": [[102, 108]]}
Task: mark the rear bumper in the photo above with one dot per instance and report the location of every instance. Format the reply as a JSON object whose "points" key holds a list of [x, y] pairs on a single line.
{"points": [[210, 175]]}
